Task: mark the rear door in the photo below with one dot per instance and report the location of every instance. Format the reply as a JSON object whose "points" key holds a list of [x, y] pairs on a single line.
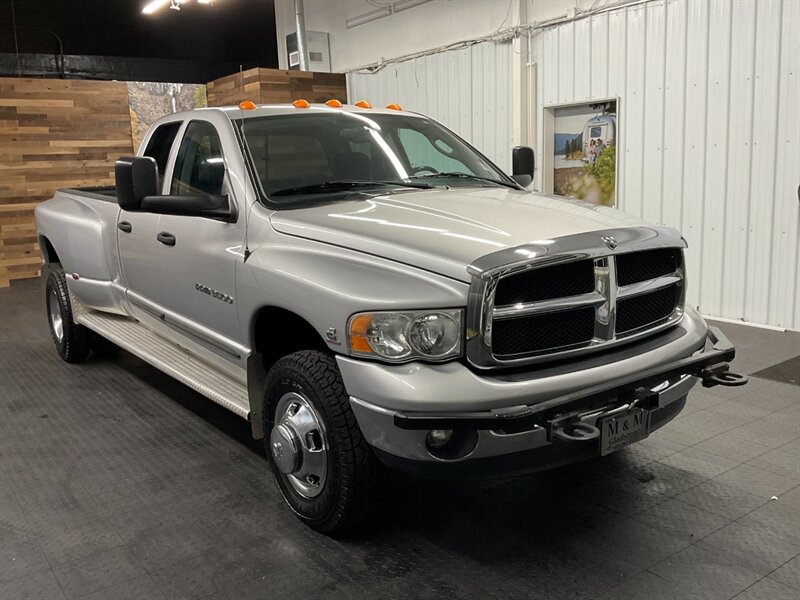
{"points": [[137, 231]]}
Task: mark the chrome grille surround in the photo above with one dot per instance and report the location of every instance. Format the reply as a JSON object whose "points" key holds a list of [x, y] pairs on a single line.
{"points": [[488, 270]]}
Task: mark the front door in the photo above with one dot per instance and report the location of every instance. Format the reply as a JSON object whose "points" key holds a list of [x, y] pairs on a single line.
{"points": [[197, 255]]}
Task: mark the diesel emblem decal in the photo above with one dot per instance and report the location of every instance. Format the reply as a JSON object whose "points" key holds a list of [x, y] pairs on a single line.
{"points": [[213, 293]]}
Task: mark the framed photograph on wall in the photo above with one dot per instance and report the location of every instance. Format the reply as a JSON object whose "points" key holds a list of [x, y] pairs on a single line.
{"points": [[581, 151]]}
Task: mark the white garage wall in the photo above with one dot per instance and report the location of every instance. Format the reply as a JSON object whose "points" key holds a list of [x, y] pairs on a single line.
{"points": [[710, 135], [469, 90]]}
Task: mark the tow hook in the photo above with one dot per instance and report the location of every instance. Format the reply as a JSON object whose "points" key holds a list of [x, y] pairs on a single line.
{"points": [[720, 374], [575, 431]]}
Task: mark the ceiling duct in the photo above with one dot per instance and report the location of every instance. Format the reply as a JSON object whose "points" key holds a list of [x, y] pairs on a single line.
{"points": [[302, 40], [384, 11]]}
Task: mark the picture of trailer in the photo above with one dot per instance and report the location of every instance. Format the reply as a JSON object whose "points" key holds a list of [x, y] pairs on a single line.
{"points": [[599, 129]]}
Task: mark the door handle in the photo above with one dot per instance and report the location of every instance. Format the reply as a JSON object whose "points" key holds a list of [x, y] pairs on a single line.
{"points": [[166, 238], [125, 226]]}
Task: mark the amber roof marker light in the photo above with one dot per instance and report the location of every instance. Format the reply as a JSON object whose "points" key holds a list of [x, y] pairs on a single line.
{"points": [[334, 103], [247, 105], [301, 103], [363, 104], [394, 106]]}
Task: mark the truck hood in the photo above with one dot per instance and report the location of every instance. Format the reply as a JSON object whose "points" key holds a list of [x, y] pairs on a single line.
{"points": [[443, 231]]}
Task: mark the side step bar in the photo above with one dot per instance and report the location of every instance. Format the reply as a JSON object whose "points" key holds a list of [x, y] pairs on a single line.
{"points": [[169, 358]]}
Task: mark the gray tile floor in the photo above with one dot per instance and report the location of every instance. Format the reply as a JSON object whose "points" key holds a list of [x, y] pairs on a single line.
{"points": [[117, 482]]}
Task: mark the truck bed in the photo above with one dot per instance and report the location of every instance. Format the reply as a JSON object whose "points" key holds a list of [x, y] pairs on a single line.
{"points": [[107, 193]]}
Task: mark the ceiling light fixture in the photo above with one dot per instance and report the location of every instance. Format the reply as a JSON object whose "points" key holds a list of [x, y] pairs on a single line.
{"points": [[155, 5]]}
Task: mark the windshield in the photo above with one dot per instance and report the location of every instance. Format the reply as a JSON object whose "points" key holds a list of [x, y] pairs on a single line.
{"points": [[319, 154]]}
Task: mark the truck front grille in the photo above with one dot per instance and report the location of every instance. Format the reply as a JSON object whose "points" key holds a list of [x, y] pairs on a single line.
{"points": [[570, 279], [566, 304], [641, 266], [646, 310], [537, 333]]}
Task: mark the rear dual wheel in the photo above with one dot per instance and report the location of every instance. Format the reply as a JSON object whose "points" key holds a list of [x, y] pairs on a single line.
{"points": [[72, 341], [320, 460]]}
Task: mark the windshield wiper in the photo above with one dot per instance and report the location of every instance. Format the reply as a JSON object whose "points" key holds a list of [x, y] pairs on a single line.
{"points": [[345, 184], [458, 175]]}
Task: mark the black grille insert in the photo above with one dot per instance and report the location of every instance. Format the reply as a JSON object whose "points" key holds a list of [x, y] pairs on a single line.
{"points": [[646, 310], [536, 333], [649, 264], [558, 281]]}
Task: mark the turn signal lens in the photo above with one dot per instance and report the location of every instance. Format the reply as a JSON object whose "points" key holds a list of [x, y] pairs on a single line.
{"points": [[363, 104], [333, 103], [394, 106], [359, 325], [301, 103], [247, 105]]}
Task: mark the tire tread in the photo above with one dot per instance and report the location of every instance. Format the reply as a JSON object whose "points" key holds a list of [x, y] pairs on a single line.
{"points": [[358, 464]]}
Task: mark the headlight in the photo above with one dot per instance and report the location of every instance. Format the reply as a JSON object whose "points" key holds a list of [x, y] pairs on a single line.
{"points": [[403, 336]]}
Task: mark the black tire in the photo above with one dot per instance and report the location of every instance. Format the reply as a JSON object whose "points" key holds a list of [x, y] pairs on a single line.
{"points": [[346, 495], [74, 342]]}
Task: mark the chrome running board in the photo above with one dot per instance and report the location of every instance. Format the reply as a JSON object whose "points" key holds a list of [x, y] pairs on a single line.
{"points": [[169, 358]]}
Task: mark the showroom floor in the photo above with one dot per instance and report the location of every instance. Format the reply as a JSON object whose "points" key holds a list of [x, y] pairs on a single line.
{"points": [[116, 482]]}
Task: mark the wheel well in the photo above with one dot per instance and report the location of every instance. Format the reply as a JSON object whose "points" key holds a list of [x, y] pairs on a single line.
{"points": [[48, 251], [288, 333], [279, 332]]}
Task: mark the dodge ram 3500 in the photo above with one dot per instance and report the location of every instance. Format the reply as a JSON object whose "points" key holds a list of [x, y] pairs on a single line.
{"points": [[365, 287]]}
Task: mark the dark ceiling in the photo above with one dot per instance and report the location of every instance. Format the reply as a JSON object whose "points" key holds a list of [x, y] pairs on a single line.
{"points": [[227, 31]]}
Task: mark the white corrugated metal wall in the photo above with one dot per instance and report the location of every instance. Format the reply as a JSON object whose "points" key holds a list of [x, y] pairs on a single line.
{"points": [[468, 90], [710, 135], [709, 128]]}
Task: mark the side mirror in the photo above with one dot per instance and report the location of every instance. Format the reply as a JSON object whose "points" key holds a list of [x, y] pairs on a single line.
{"points": [[212, 206], [136, 177], [523, 165]]}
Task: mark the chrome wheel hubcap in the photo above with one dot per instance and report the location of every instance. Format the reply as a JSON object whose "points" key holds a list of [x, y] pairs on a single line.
{"points": [[56, 322], [299, 446]]}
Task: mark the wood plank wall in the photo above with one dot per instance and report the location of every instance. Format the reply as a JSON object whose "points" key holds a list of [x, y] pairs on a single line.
{"points": [[67, 133], [53, 133], [265, 86]]}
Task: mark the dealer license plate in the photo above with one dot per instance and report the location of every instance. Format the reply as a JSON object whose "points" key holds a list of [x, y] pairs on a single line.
{"points": [[623, 430]]}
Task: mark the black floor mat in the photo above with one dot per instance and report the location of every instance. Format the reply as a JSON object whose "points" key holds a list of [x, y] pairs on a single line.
{"points": [[786, 372]]}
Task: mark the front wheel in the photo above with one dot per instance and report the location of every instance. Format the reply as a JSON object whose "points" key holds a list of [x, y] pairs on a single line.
{"points": [[323, 466], [72, 341]]}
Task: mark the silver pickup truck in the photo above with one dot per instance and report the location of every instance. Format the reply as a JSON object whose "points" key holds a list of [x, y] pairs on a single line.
{"points": [[366, 288]]}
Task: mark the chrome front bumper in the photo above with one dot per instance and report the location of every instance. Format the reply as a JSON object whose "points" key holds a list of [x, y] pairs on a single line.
{"points": [[518, 413], [380, 429]]}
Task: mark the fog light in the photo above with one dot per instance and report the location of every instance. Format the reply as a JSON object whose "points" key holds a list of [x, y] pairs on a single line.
{"points": [[438, 438]]}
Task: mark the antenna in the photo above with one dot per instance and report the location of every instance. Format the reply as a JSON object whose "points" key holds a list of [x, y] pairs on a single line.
{"points": [[246, 179]]}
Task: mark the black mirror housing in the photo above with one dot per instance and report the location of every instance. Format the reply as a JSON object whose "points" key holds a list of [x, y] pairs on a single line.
{"points": [[136, 177], [212, 206], [523, 165]]}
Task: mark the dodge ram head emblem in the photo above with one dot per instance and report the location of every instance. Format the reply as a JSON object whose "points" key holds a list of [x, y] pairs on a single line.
{"points": [[609, 241]]}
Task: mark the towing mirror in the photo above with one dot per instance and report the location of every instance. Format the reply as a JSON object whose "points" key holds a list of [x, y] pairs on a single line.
{"points": [[136, 177], [523, 165], [212, 206]]}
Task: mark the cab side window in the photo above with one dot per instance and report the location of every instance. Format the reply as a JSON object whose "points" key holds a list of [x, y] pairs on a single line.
{"points": [[199, 166], [160, 144]]}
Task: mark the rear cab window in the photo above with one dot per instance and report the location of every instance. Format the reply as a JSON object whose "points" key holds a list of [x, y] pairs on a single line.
{"points": [[160, 144]]}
